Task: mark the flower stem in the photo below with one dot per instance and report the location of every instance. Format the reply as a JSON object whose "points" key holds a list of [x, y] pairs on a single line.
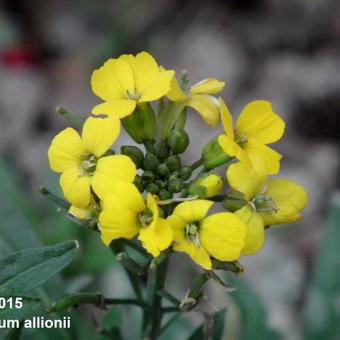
{"points": [[75, 120], [197, 164]]}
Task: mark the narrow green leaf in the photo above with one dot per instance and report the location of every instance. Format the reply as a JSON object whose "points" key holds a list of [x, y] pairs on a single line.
{"points": [[30, 268], [214, 327], [322, 312]]}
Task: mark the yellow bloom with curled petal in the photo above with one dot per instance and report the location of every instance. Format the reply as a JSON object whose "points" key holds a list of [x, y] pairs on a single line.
{"points": [[270, 202], [123, 82], [200, 98], [82, 162], [220, 235], [256, 127], [125, 214]]}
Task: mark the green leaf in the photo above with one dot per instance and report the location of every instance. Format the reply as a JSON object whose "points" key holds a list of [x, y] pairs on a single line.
{"points": [[217, 330], [253, 314], [15, 212], [322, 312], [30, 268]]}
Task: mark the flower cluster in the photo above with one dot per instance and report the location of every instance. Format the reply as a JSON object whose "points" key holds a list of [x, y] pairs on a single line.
{"points": [[146, 192]]}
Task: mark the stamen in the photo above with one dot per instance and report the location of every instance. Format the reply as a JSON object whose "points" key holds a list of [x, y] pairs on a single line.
{"points": [[145, 218], [192, 234]]}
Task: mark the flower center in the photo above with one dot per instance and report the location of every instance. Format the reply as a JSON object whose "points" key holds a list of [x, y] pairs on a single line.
{"points": [[240, 139], [145, 217], [192, 234], [264, 203], [88, 165], [133, 95]]}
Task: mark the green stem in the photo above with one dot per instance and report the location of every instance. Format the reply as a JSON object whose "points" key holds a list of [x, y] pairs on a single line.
{"points": [[233, 267], [89, 298], [75, 120], [166, 295], [170, 309], [152, 317], [130, 264], [54, 198], [170, 322], [117, 248], [197, 164]]}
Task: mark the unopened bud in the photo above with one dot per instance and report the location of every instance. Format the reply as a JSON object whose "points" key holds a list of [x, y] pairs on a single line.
{"points": [[178, 141], [165, 195], [173, 162], [161, 149], [234, 201], [152, 188], [208, 185], [150, 161], [175, 185], [163, 169], [185, 173]]}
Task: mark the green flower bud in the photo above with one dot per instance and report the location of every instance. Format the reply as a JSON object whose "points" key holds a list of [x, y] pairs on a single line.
{"points": [[213, 155], [141, 124], [185, 173], [178, 141], [148, 176], [234, 201], [173, 162], [150, 161], [161, 149], [208, 185], [165, 195], [152, 188], [134, 153], [175, 185], [139, 183], [163, 169]]}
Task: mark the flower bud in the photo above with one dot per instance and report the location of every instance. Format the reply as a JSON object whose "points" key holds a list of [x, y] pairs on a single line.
{"points": [[161, 149], [134, 153], [213, 155], [150, 161], [138, 182], [162, 184], [178, 141], [185, 173], [175, 185], [165, 195], [234, 201], [141, 124], [173, 162], [163, 169], [152, 188], [206, 186], [148, 176]]}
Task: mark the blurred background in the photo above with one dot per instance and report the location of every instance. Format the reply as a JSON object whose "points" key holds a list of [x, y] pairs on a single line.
{"points": [[287, 52]]}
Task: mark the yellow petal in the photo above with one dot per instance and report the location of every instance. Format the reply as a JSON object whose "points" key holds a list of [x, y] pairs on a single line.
{"points": [[255, 230], [176, 94], [119, 108], [151, 203], [76, 187], [223, 235], [231, 148], [227, 119], [248, 180], [66, 150], [192, 211], [208, 86], [290, 198], [156, 237], [117, 219], [109, 171], [158, 87], [113, 80], [81, 214], [99, 134], [207, 106], [269, 156], [257, 120]]}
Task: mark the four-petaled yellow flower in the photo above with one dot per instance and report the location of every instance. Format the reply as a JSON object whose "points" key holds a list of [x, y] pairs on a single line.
{"points": [[220, 235], [256, 127], [125, 215], [200, 98], [82, 161], [128, 80], [270, 202]]}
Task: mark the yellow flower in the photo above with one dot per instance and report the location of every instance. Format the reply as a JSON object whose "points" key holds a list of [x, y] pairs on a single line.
{"points": [[269, 202], [122, 83], [256, 127], [200, 98], [85, 214], [220, 235], [82, 162], [125, 215]]}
